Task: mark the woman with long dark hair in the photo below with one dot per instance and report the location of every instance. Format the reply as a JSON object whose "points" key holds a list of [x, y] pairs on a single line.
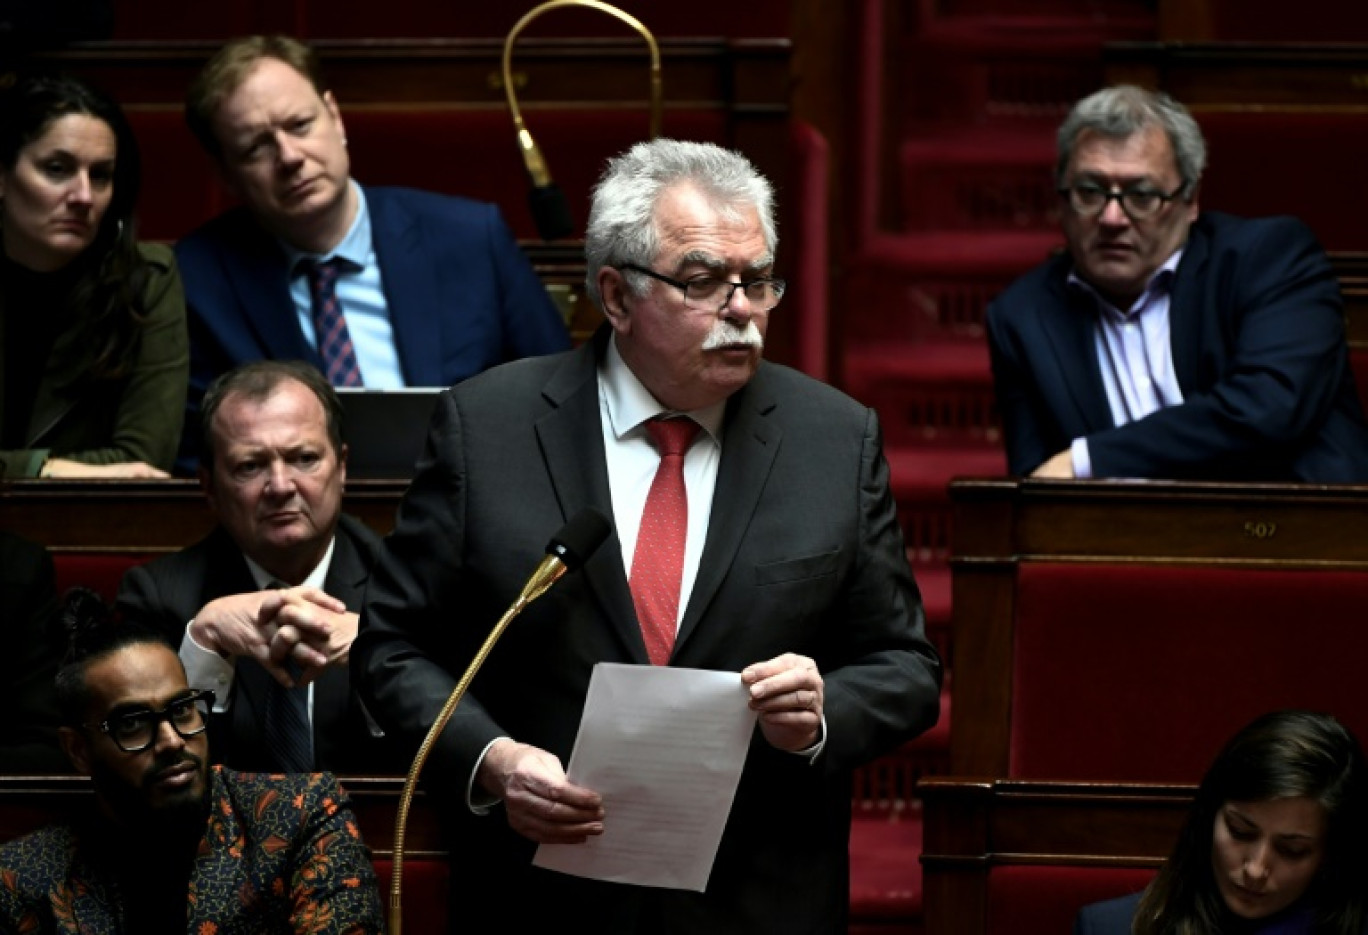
{"points": [[93, 351], [1274, 844]]}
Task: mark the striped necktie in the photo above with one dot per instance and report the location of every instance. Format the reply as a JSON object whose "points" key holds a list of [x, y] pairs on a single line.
{"points": [[330, 325]]}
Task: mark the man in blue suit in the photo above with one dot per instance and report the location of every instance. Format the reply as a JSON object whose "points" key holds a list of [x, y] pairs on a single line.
{"points": [[423, 289], [1170, 342]]}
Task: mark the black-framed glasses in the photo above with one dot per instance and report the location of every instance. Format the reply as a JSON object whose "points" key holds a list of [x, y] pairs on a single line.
{"points": [[135, 731], [1089, 199], [714, 294]]}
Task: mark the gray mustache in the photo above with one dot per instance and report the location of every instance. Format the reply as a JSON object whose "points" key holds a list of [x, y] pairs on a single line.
{"points": [[726, 334]]}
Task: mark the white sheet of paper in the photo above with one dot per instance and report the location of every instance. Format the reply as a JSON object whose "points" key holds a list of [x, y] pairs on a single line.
{"points": [[664, 748]]}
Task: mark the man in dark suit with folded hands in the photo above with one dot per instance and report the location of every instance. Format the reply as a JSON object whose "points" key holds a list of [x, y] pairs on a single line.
{"points": [[264, 609], [1171, 342], [755, 533]]}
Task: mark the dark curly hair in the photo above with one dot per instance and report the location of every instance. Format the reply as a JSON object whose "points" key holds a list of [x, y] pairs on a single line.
{"points": [[93, 631]]}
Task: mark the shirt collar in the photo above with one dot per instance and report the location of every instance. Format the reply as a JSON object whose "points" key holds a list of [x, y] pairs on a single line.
{"points": [[630, 404], [264, 579], [1158, 284], [355, 248]]}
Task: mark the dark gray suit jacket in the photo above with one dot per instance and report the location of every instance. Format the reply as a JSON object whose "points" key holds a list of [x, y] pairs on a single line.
{"points": [[168, 592], [803, 554]]}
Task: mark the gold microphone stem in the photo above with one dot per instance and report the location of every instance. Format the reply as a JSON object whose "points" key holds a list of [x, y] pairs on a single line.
{"points": [[546, 575], [532, 157]]}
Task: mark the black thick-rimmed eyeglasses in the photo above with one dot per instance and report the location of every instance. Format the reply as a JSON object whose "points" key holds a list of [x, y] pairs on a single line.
{"points": [[135, 731], [1088, 199], [714, 294]]}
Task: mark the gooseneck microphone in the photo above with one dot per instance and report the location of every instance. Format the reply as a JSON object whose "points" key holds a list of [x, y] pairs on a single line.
{"points": [[549, 209], [568, 549]]}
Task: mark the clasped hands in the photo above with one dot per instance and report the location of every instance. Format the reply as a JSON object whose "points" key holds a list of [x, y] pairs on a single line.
{"points": [[302, 626], [786, 692]]}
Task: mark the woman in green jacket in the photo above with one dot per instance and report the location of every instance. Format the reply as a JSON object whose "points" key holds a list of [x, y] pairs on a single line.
{"points": [[93, 349]]}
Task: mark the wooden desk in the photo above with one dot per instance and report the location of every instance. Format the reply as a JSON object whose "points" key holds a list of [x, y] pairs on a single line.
{"points": [[976, 826], [84, 517], [1002, 524]]}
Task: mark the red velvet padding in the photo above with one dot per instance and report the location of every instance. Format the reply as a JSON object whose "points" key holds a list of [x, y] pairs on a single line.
{"points": [[179, 188], [885, 867], [1141, 672], [100, 572], [426, 881], [1030, 900], [1316, 158]]}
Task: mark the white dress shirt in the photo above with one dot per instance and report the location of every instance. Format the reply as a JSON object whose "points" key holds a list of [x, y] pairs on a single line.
{"points": [[626, 406], [1134, 355]]}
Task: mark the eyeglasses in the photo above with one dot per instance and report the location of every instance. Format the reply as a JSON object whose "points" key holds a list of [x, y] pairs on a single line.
{"points": [[135, 731], [1089, 199], [709, 292]]}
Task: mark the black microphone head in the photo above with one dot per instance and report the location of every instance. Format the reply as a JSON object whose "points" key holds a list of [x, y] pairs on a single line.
{"points": [[580, 538], [550, 211]]}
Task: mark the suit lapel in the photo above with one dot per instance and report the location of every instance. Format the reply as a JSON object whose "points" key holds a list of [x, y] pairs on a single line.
{"points": [[579, 473], [333, 697], [409, 279], [750, 442], [1069, 321], [258, 276], [1185, 319]]}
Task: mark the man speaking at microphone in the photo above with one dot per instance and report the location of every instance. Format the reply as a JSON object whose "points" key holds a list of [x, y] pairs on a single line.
{"points": [[755, 533]]}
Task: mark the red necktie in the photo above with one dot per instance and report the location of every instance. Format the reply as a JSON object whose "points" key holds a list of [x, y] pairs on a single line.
{"points": [[330, 326], [658, 562]]}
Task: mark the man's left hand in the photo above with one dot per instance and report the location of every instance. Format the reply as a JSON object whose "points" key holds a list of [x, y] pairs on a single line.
{"points": [[787, 693]]}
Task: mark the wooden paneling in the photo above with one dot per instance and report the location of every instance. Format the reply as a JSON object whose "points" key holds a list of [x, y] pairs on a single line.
{"points": [[145, 517], [1214, 75], [1000, 524], [977, 826]]}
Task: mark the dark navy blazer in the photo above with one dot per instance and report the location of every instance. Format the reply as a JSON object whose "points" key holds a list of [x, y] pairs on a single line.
{"points": [[1112, 917], [1257, 334], [462, 296]]}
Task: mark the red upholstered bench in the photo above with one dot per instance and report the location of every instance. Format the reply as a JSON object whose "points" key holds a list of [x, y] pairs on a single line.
{"points": [[1026, 900], [179, 189], [1140, 672], [100, 571], [1316, 156]]}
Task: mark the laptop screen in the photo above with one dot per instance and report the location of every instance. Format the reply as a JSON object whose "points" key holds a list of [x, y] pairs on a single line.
{"points": [[385, 429]]}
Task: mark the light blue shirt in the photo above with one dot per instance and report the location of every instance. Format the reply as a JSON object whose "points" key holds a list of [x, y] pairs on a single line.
{"points": [[1134, 355], [361, 294]]}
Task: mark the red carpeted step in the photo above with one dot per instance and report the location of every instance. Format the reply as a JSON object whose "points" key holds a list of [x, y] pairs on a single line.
{"points": [[991, 177], [885, 869], [919, 478], [916, 286], [934, 393]]}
